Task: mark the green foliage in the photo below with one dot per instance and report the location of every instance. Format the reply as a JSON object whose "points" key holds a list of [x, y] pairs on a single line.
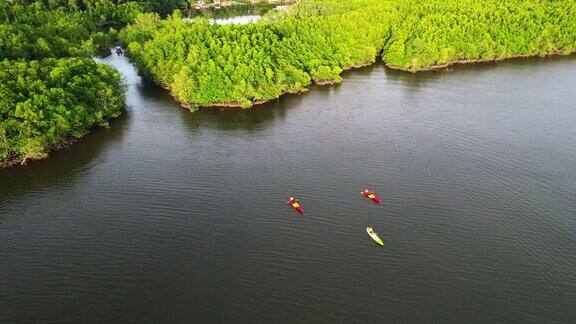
{"points": [[43, 103], [38, 29], [50, 88], [437, 32], [206, 64], [164, 7]]}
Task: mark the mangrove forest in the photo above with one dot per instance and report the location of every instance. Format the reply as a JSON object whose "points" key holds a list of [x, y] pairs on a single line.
{"points": [[52, 91], [205, 64]]}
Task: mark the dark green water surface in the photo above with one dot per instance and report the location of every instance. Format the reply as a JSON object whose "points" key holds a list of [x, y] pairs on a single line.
{"points": [[173, 217]]}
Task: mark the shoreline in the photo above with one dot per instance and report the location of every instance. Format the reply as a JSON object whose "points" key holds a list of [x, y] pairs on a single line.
{"points": [[438, 67], [474, 61], [236, 104], [232, 104], [68, 142], [15, 160]]}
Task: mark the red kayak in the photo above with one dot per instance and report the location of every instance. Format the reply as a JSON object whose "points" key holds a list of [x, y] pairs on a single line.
{"points": [[294, 203], [370, 195]]}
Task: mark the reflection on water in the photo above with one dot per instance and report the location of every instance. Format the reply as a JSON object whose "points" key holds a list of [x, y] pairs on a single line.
{"points": [[254, 119], [176, 216], [65, 167]]}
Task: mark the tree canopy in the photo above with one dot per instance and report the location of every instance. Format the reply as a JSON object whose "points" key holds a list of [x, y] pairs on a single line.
{"points": [[43, 103], [208, 64], [50, 88]]}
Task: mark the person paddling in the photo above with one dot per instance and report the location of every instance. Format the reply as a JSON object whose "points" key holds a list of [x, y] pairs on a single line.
{"points": [[294, 203]]}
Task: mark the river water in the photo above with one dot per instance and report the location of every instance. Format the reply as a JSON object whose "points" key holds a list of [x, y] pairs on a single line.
{"points": [[172, 216], [240, 14]]}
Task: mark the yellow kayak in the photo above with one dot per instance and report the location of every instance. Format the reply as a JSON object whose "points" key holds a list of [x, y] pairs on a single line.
{"points": [[374, 236]]}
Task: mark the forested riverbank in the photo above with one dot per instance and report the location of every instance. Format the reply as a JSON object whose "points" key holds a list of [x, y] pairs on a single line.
{"points": [[208, 65], [51, 91], [46, 49], [46, 103]]}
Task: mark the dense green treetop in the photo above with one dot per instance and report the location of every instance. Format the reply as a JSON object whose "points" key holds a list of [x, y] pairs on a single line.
{"points": [[41, 29], [50, 88], [43, 103], [206, 64]]}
